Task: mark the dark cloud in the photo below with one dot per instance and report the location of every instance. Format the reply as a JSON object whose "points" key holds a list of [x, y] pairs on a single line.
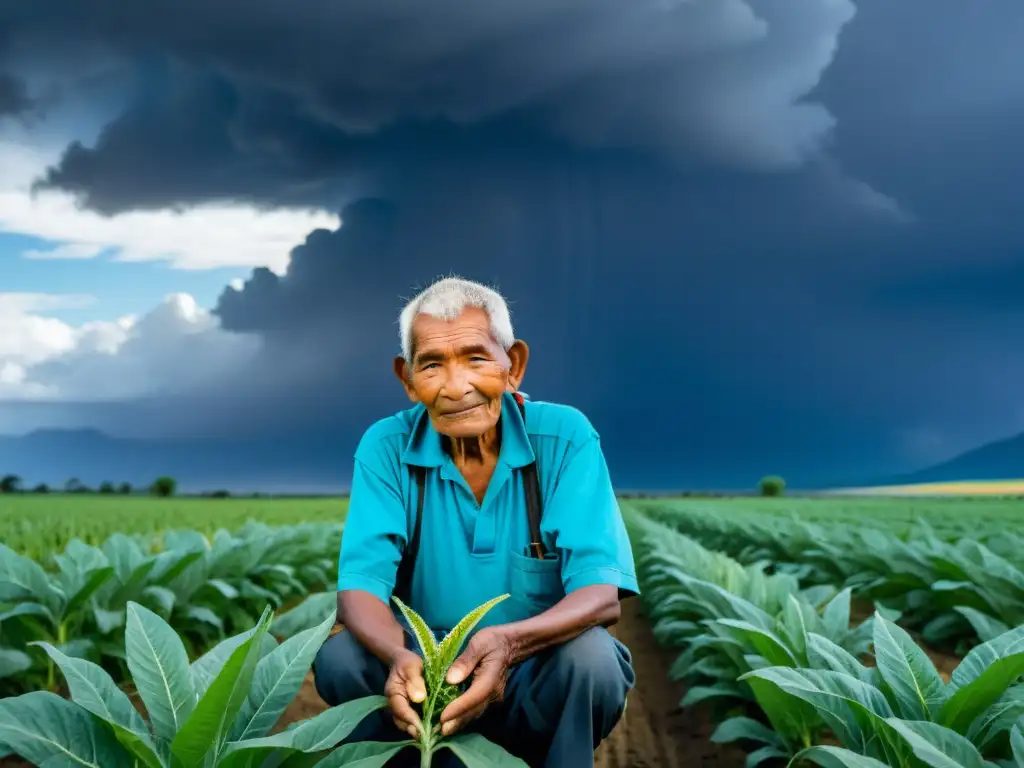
{"points": [[282, 93], [711, 252], [646, 302], [14, 97]]}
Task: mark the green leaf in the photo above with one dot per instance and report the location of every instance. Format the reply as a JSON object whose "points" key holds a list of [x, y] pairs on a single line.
{"points": [[938, 746], [737, 728], [13, 662], [21, 578], [762, 641], [794, 623], [701, 693], [206, 668], [364, 754], [836, 757], [93, 581], [997, 719], [204, 615], [451, 646], [792, 718], [29, 609], [985, 627], [159, 667], [914, 681], [47, 730], [758, 756], [424, 637], [1017, 746], [981, 657], [206, 729], [477, 752], [93, 690], [160, 597], [318, 733], [306, 615], [849, 706], [836, 615], [277, 681], [982, 678], [822, 653]]}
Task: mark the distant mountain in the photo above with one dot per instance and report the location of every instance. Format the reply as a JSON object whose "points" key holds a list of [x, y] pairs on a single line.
{"points": [[306, 463], [998, 460], [319, 460]]}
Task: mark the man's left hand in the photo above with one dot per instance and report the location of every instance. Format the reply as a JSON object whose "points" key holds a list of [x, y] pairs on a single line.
{"points": [[487, 658]]}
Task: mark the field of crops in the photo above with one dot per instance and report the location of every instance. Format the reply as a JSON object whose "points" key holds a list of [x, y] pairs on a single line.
{"points": [[38, 525], [839, 632]]}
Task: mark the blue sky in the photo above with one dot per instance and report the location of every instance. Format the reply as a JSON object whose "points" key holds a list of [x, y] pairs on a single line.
{"points": [[119, 288]]}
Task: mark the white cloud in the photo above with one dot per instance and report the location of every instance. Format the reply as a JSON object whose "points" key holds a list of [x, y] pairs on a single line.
{"points": [[64, 252], [176, 348], [202, 237]]}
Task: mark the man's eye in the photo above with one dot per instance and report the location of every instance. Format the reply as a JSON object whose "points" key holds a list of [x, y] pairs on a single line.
{"points": [[428, 366], [479, 359]]}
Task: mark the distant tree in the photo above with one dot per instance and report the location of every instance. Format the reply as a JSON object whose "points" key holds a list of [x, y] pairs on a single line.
{"points": [[74, 485], [164, 486], [220, 494], [772, 485], [124, 489], [10, 484], [41, 488], [106, 487]]}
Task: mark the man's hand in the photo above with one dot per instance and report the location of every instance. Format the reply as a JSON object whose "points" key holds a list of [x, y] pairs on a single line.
{"points": [[487, 657], [405, 686]]}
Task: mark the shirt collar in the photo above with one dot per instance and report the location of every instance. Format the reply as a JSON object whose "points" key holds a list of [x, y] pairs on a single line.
{"points": [[424, 447]]}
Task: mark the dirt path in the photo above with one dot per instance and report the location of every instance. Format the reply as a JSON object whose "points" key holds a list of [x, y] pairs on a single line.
{"points": [[654, 732]]}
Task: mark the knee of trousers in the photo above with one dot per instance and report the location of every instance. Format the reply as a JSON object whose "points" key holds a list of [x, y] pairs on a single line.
{"points": [[597, 667], [343, 670]]}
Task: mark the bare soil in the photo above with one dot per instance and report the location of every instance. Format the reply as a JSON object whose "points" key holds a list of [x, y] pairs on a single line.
{"points": [[654, 733]]}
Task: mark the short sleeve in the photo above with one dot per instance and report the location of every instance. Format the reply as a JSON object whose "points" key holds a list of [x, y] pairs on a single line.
{"points": [[375, 532], [584, 515]]}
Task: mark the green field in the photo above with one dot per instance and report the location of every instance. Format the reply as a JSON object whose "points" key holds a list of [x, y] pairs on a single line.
{"points": [[838, 631], [40, 524]]}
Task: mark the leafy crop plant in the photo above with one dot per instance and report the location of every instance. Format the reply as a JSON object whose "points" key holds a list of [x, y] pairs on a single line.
{"points": [[471, 748], [213, 713]]}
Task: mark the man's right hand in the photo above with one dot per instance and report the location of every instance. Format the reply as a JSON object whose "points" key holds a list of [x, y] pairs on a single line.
{"points": [[405, 686]]}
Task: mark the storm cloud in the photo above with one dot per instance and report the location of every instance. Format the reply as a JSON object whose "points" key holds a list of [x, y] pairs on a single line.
{"points": [[275, 99], [14, 98], [727, 230]]}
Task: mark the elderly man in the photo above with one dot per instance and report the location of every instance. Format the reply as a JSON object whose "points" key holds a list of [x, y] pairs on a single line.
{"points": [[472, 493]]}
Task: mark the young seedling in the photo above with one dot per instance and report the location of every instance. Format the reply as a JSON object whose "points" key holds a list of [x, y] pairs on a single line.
{"points": [[471, 748]]}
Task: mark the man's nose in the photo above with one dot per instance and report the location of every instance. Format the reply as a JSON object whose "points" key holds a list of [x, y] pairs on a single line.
{"points": [[456, 385]]}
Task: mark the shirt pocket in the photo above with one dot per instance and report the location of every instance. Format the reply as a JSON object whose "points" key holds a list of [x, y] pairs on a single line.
{"points": [[536, 584]]}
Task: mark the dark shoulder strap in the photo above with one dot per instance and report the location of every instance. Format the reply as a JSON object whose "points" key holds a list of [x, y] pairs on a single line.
{"points": [[403, 580], [531, 486]]}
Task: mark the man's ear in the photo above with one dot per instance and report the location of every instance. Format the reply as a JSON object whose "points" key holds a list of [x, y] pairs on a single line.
{"points": [[402, 372], [518, 355]]}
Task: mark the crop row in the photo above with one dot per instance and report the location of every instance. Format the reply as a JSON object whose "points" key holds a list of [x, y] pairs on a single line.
{"points": [[950, 591], [951, 518], [206, 588], [792, 678]]}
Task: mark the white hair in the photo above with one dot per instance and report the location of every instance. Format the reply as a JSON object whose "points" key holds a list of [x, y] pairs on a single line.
{"points": [[446, 299]]}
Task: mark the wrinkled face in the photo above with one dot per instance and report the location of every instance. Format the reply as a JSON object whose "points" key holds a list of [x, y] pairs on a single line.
{"points": [[459, 372]]}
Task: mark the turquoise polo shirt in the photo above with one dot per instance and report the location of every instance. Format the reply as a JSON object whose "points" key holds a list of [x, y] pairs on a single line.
{"points": [[471, 552]]}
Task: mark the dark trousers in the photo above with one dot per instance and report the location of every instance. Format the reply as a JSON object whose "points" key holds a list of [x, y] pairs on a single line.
{"points": [[558, 706]]}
